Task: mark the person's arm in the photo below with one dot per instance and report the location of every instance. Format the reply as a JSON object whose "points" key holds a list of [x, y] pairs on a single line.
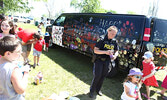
{"points": [[98, 51], [44, 46], [139, 95], [29, 42], [115, 55], [163, 53], [19, 83], [127, 91]]}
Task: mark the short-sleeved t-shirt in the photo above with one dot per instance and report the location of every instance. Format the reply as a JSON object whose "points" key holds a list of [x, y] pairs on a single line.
{"points": [[26, 35], [38, 45], [47, 38], [107, 44], [133, 88]]}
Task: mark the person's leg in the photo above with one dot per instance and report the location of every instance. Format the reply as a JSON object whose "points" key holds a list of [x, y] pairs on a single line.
{"points": [[38, 60], [47, 49], [24, 53], [148, 91], [28, 51], [164, 85], [35, 57], [38, 56], [163, 91], [97, 71], [47, 46], [105, 71]]}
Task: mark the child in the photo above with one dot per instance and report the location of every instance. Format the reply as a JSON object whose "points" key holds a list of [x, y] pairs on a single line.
{"points": [[132, 85], [148, 77], [40, 28], [7, 28], [38, 50], [164, 83], [47, 40], [12, 81]]}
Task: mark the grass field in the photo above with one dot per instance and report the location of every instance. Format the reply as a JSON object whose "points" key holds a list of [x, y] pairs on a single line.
{"points": [[66, 70]]}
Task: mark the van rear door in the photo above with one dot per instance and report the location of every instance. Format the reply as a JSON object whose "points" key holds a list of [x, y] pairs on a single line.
{"points": [[159, 39]]}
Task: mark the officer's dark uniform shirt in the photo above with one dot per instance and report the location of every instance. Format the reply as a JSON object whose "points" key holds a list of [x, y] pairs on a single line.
{"points": [[106, 44]]}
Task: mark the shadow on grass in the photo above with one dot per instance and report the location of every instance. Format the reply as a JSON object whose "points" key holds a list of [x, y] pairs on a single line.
{"points": [[80, 65]]}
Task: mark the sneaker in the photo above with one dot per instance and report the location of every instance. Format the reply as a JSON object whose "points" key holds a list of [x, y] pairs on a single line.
{"points": [[38, 64], [100, 93], [34, 66], [28, 60], [148, 98]]}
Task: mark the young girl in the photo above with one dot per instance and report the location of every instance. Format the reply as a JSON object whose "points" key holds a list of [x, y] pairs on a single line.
{"points": [[148, 77], [12, 81], [7, 28], [132, 85], [164, 83]]}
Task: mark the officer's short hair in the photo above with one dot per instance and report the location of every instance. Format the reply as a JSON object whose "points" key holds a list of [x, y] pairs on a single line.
{"points": [[113, 28]]}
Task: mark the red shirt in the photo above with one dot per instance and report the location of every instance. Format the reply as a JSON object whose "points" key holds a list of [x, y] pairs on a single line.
{"points": [[26, 35], [38, 45]]}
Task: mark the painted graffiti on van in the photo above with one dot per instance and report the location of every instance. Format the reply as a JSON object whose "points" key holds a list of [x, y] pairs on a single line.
{"points": [[57, 32], [83, 36]]}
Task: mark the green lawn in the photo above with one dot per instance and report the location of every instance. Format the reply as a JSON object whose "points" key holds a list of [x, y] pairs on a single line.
{"points": [[65, 70]]}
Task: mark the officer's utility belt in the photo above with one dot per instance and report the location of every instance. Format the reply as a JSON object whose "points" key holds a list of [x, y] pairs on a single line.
{"points": [[102, 59]]}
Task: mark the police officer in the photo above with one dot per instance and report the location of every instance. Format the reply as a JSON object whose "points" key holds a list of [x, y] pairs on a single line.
{"points": [[104, 50]]}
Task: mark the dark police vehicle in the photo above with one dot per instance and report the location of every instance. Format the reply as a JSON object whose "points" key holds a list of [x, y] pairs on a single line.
{"points": [[136, 34]]}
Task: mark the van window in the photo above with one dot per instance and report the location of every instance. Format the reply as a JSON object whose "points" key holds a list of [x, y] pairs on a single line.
{"points": [[160, 31], [59, 21]]}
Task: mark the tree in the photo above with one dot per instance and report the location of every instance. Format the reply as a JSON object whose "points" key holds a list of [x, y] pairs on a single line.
{"points": [[131, 12], [86, 6], [153, 8], [7, 6]]}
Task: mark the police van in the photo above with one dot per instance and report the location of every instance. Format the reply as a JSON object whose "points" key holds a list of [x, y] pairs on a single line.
{"points": [[136, 34]]}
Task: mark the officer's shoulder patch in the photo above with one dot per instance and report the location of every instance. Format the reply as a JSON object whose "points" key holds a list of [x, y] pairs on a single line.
{"points": [[100, 38]]}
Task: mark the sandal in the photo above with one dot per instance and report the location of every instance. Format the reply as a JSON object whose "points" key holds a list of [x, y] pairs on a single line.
{"points": [[146, 96]]}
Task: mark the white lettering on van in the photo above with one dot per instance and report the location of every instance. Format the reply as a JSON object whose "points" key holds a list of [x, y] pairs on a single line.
{"points": [[106, 23]]}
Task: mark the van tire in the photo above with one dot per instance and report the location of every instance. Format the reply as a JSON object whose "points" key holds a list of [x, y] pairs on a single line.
{"points": [[113, 70]]}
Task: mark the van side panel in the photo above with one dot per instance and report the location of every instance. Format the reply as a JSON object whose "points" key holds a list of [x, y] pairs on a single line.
{"points": [[81, 31], [159, 40]]}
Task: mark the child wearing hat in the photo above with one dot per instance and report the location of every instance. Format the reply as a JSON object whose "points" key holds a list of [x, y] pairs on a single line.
{"points": [[132, 85], [148, 77], [47, 40]]}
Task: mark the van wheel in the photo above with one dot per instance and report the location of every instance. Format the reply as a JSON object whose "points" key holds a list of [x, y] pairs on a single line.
{"points": [[113, 69]]}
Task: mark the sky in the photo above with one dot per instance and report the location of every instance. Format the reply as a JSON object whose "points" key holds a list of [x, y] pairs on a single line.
{"points": [[120, 6]]}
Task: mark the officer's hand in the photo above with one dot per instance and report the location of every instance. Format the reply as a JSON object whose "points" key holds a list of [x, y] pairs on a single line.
{"points": [[108, 52], [162, 53], [114, 57]]}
